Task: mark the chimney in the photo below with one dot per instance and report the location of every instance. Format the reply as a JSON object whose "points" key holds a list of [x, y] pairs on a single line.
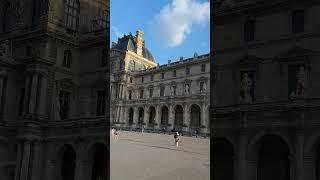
{"points": [[139, 37]]}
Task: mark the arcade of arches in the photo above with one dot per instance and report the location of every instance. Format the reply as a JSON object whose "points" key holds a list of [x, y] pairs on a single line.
{"points": [[183, 117], [270, 156]]}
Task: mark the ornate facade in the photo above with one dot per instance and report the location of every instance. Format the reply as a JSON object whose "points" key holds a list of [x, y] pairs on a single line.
{"points": [[53, 89], [170, 96], [265, 90]]}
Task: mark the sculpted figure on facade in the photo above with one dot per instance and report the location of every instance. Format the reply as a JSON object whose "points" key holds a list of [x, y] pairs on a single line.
{"points": [[57, 110], [301, 86], [5, 49], [171, 90], [187, 89], [204, 88], [19, 9], [245, 89]]}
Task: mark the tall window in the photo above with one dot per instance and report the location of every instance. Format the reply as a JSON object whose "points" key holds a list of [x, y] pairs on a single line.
{"points": [[298, 21], [131, 80], [130, 94], [21, 101], [64, 99], [162, 88], [67, 59], [101, 102], [249, 30], [150, 92], [151, 77], [162, 75], [203, 67], [187, 70], [142, 79], [174, 73], [141, 93], [71, 17]]}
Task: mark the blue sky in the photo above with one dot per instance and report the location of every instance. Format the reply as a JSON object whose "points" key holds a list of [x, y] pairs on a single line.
{"points": [[172, 28]]}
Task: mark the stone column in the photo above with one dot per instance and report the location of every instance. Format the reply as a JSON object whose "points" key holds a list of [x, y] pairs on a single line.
{"points": [[82, 168], [25, 161], [157, 116], [27, 95], [36, 161], [33, 93], [18, 162], [242, 160], [135, 117], [52, 171], [43, 96], [186, 119], [171, 116], [146, 116], [299, 155]]}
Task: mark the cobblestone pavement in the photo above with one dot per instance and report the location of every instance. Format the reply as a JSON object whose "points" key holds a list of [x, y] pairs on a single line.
{"points": [[136, 156]]}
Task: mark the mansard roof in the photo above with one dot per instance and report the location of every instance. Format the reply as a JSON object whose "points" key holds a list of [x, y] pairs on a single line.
{"points": [[129, 43]]}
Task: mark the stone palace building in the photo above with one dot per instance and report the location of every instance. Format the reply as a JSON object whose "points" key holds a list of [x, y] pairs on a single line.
{"points": [[54, 83], [265, 90], [173, 96]]}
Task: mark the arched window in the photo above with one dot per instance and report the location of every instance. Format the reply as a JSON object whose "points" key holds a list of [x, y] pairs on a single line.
{"points": [[71, 17]]}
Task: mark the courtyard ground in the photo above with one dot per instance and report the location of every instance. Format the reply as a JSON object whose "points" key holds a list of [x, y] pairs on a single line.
{"points": [[154, 157]]}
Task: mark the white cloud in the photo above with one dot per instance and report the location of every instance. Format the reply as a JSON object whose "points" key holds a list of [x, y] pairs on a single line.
{"points": [[175, 20], [116, 31]]}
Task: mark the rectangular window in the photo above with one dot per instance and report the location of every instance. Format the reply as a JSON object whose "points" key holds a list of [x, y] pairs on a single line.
{"points": [[162, 75], [141, 94], [249, 30], [64, 99], [298, 21], [142, 79], [101, 103], [162, 91], [150, 92], [174, 73], [203, 68], [151, 78], [187, 70], [130, 94]]}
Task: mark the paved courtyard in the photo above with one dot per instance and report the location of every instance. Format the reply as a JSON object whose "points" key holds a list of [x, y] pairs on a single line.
{"points": [[154, 157]]}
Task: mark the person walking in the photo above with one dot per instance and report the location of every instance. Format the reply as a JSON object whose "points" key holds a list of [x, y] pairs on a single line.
{"points": [[116, 134], [176, 138]]}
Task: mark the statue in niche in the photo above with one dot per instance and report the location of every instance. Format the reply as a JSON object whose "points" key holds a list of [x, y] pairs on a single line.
{"points": [[172, 91], [245, 89], [19, 9], [5, 49], [58, 109], [187, 90], [204, 88], [300, 87]]}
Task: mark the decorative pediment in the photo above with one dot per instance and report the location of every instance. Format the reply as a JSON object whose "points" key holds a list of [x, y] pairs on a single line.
{"points": [[296, 51], [65, 84], [248, 60], [100, 83], [202, 78]]}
